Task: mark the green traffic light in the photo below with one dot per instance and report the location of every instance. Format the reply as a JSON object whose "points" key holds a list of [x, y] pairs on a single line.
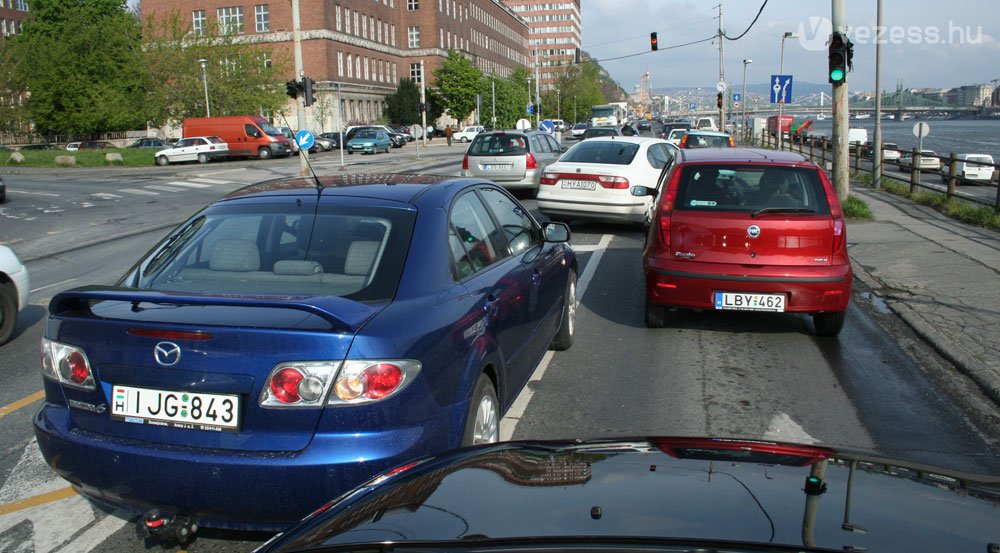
{"points": [[837, 75]]}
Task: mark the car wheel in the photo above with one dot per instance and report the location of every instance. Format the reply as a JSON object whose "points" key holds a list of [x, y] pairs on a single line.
{"points": [[567, 325], [202, 158], [828, 324], [463, 139], [264, 153], [162, 161], [8, 313], [482, 426], [656, 315]]}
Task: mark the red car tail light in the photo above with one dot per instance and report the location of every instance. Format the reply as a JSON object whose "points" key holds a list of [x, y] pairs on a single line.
{"points": [[666, 208], [837, 212], [298, 384], [614, 183], [529, 162], [66, 364], [732, 143], [684, 141], [465, 162], [549, 178], [364, 381]]}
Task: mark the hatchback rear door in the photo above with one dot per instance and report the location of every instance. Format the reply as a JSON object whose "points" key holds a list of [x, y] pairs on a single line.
{"points": [[500, 157]]}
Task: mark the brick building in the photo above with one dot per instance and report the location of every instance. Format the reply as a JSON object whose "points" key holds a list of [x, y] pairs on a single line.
{"points": [[12, 13], [554, 35], [365, 46]]}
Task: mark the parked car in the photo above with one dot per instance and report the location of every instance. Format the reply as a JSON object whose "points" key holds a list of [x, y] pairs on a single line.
{"points": [[746, 230], [15, 286], [559, 124], [154, 143], [196, 148], [72, 146], [928, 160], [320, 143], [592, 180], [593, 132], [578, 130], [333, 137], [706, 139], [35, 147], [403, 130], [970, 168], [297, 337], [95, 145], [512, 159], [397, 139], [468, 133], [245, 135], [655, 494], [674, 136], [369, 141]]}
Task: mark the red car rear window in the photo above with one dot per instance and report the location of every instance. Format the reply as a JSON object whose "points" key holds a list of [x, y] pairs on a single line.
{"points": [[750, 187]]}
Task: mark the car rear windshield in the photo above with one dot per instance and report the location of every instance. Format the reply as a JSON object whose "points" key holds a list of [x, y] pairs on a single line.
{"points": [[695, 140], [349, 251], [602, 151], [749, 188], [499, 145], [365, 134]]}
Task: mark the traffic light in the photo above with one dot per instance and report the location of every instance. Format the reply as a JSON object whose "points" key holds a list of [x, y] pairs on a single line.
{"points": [[839, 56], [307, 91], [577, 55], [292, 89], [652, 41], [718, 102], [421, 107]]}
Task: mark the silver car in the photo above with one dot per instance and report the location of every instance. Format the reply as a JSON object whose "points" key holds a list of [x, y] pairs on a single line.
{"points": [[512, 159]]}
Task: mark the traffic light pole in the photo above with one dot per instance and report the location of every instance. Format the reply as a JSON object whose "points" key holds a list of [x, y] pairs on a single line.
{"points": [[299, 73], [841, 113], [423, 102], [722, 73]]}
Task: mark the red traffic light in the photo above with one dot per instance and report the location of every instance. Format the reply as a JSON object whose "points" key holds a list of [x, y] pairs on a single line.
{"points": [[652, 41]]}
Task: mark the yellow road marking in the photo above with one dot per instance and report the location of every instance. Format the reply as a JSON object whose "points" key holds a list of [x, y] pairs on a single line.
{"points": [[8, 409], [35, 501]]}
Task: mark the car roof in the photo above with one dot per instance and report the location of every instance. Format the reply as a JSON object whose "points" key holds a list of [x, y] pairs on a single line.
{"points": [[742, 155], [619, 139]]}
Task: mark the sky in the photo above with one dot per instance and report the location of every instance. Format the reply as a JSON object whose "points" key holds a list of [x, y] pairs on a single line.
{"points": [[927, 43]]}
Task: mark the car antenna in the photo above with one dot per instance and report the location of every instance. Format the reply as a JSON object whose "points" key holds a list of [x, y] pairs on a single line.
{"points": [[312, 171]]}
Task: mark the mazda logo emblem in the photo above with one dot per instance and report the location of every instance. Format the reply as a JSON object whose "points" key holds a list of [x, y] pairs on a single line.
{"points": [[753, 231], [167, 354]]}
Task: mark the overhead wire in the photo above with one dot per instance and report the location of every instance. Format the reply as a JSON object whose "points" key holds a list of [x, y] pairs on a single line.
{"points": [[760, 11], [713, 37]]}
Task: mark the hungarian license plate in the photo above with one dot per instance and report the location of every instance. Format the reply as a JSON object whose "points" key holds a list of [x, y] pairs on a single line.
{"points": [[214, 412], [576, 184], [735, 301], [496, 167]]}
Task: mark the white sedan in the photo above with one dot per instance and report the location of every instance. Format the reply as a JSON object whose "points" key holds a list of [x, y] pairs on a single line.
{"points": [[592, 180], [14, 294], [196, 148]]}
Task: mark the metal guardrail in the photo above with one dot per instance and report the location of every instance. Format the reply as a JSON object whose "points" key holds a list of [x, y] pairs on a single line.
{"points": [[819, 150]]}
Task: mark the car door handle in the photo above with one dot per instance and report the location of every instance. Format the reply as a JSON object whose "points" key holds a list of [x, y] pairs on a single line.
{"points": [[491, 306]]}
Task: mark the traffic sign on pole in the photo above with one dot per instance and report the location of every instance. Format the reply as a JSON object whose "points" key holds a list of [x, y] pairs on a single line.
{"points": [[547, 126], [305, 139], [781, 89]]}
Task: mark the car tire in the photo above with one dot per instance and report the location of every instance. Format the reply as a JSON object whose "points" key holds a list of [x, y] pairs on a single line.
{"points": [[656, 315], [567, 323], [162, 161], [463, 139], [8, 313], [482, 426], [202, 158], [264, 153], [828, 324]]}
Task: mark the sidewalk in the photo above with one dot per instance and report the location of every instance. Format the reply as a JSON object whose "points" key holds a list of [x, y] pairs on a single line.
{"points": [[940, 275]]}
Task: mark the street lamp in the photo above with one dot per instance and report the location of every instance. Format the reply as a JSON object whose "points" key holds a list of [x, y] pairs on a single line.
{"points": [[204, 79], [781, 71], [744, 97]]}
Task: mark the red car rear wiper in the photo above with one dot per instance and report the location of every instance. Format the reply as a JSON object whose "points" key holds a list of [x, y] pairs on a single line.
{"points": [[782, 210]]}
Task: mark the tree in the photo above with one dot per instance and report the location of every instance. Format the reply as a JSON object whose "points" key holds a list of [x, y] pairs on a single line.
{"points": [[401, 106], [581, 89], [457, 82]]}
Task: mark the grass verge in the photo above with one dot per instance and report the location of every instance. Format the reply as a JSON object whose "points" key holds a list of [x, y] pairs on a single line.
{"points": [[856, 208], [972, 213], [131, 157]]}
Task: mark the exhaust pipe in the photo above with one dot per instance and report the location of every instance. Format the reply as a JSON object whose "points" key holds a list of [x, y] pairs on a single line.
{"points": [[156, 525]]}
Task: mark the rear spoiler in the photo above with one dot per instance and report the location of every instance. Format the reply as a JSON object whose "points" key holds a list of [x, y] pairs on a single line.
{"points": [[343, 314]]}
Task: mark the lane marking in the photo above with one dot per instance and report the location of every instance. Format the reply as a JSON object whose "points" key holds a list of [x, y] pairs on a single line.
{"points": [[190, 184], [210, 181], [21, 403], [140, 192], [25, 192], [106, 195], [98, 533], [63, 283], [784, 429], [36, 500], [163, 188], [509, 422]]}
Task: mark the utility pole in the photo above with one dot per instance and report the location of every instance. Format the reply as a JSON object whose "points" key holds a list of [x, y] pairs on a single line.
{"points": [[877, 139], [299, 73], [423, 102], [841, 113], [722, 72], [538, 105]]}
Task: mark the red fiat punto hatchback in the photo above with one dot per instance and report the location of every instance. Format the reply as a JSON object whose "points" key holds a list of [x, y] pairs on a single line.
{"points": [[746, 230]]}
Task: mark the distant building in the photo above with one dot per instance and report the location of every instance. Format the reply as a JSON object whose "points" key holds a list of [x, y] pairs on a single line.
{"points": [[554, 35], [969, 96], [12, 13], [366, 47]]}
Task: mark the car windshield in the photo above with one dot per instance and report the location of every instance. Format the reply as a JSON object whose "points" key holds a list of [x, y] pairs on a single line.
{"points": [[580, 126], [344, 251], [365, 134], [611, 152], [269, 130], [750, 188], [499, 144]]}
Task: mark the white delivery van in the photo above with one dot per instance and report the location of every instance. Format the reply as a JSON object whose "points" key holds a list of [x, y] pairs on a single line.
{"points": [[971, 171], [857, 136]]}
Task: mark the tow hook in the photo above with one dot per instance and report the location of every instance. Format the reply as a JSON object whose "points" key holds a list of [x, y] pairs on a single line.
{"points": [[156, 525]]}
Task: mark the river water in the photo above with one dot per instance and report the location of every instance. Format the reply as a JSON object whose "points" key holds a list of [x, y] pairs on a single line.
{"points": [[961, 136]]}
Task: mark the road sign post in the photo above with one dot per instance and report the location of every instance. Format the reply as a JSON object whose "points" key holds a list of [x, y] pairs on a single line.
{"points": [[781, 94]]}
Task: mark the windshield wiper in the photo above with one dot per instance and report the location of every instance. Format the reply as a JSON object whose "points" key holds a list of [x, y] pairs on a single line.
{"points": [[782, 210]]}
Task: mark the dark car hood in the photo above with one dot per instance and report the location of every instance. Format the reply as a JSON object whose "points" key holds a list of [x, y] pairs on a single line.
{"points": [[702, 490]]}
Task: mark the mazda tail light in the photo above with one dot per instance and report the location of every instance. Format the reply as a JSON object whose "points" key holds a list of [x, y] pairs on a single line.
{"points": [[66, 364], [365, 381], [298, 384]]}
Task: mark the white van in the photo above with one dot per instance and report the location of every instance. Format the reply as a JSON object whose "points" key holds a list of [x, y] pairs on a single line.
{"points": [[559, 124], [706, 124], [970, 171], [857, 136]]}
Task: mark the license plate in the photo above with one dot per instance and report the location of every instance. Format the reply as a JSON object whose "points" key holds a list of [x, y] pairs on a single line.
{"points": [[215, 412], [578, 184], [749, 302], [496, 167]]}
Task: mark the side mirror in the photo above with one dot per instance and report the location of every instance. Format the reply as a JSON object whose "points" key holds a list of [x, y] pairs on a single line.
{"points": [[556, 232], [641, 191], [563, 149]]}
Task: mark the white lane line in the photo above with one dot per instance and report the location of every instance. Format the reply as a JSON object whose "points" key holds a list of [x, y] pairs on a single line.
{"points": [[98, 533], [139, 192], [25, 192], [190, 184], [784, 429], [106, 195], [163, 188], [63, 283], [509, 422], [210, 181]]}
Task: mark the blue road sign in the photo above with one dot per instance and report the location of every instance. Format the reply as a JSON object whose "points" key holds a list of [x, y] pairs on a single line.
{"points": [[737, 96], [547, 126], [530, 109], [692, 105], [305, 139], [781, 89]]}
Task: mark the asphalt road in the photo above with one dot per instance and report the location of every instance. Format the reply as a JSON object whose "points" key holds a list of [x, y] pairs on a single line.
{"points": [[875, 387]]}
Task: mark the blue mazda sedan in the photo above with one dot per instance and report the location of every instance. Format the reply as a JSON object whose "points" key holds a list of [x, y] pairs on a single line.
{"points": [[297, 337]]}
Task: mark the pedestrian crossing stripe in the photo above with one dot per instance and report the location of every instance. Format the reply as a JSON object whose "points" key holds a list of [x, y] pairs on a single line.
{"points": [[136, 191], [164, 188], [106, 195], [210, 181], [190, 184]]}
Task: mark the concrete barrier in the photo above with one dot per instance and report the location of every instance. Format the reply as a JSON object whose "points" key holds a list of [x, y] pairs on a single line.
{"points": [[65, 161]]}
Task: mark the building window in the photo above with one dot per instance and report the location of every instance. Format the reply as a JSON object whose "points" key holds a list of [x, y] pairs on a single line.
{"points": [[415, 75], [357, 67], [367, 74], [350, 66], [340, 64], [394, 79], [22, 5], [357, 28], [262, 17], [231, 20], [392, 35], [198, 22], [364, 27], [336, 10], [414, 37], [412, 5], [347, 20], [265, 58]]}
